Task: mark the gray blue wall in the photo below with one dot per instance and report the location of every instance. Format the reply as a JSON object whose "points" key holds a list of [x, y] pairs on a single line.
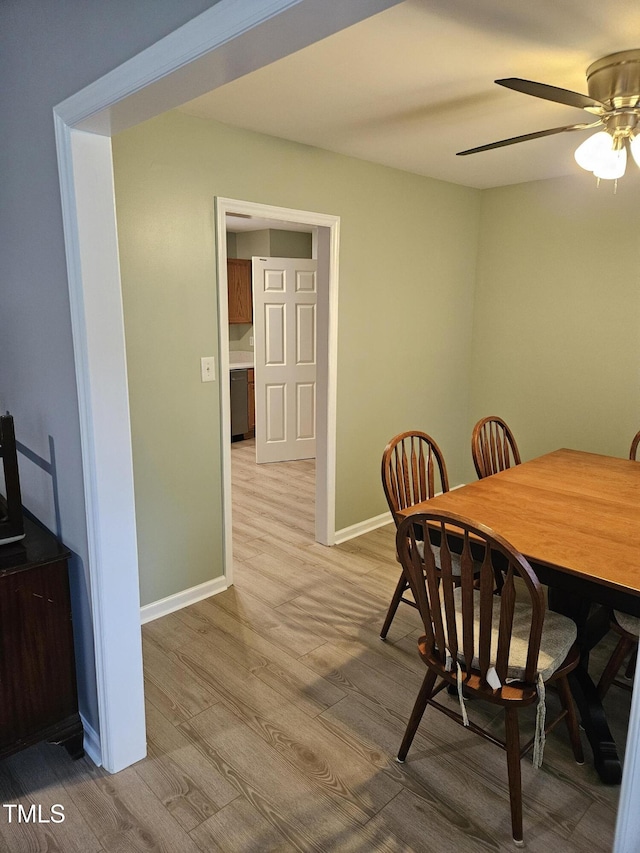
{"points": [[48, 51]]}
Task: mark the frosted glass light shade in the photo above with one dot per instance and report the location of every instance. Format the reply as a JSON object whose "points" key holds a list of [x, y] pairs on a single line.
{"points": [[597, 155], [591, 152], [635, 149], [613, 166]]}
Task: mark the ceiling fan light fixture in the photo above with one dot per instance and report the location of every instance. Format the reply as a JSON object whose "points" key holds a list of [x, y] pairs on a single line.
{"points": [[613, 167], [599, 154], [590, 153], [634, 146]]}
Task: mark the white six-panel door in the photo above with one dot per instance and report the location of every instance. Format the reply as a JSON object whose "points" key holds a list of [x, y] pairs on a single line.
{"points": [[284, 326]]}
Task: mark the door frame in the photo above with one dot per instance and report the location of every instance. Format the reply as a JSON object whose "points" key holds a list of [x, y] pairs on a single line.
{"points": [[231, 38], [326, 249]]}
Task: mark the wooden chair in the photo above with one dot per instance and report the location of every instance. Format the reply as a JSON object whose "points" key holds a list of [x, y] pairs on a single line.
{"points": [[628, 628], [493, 447], [478, 641], [413, 470]]}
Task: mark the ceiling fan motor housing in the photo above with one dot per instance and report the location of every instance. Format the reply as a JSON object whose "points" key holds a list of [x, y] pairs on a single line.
{"points": [[615, 79]]}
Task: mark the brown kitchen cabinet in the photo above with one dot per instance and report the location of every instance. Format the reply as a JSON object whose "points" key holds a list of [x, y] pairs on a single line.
{"points": [[38, 699], [239, 290]]}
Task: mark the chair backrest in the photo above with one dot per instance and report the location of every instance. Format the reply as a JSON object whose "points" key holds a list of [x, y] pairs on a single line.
{"points": [[493, 447], [434, 588], [413, 470], [633, 453]]}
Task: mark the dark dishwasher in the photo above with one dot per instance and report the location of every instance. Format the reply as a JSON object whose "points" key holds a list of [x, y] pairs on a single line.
{"points": [[239, 404]]}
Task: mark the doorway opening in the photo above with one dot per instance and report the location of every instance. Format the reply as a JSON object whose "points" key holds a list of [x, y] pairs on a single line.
{"points": [[325, 230]]}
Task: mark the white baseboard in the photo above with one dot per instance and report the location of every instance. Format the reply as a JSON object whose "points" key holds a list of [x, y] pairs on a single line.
{"points": [[181, 599], [92, 742], [361, 527], [370, 524]]}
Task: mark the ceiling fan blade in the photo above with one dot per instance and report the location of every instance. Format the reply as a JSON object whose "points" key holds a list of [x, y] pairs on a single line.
{"points": [[528, 136], [553, 93]]}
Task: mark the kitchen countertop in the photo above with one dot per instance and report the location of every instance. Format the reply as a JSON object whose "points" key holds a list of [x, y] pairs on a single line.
{"points": [[240, 360]]}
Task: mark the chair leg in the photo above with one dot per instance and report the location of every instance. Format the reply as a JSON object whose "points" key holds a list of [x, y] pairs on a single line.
{"points": [[615, 662], [513, 769], [417, 713], [566, 700], [401, 587], [631, 666]]}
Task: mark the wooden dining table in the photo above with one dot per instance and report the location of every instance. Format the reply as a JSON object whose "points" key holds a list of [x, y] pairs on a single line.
{"points": [[576, 517]]}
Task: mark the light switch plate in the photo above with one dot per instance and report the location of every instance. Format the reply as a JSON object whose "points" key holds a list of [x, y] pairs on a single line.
{"points": [[208, 368]]}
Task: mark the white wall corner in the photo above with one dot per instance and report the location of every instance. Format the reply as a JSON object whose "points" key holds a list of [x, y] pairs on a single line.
{"points": [[92, 742], [171, 603], [362, 527]]}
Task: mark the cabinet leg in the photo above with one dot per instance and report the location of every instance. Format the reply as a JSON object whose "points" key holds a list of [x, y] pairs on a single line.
{"points": [[71, 736], [75, 746]]}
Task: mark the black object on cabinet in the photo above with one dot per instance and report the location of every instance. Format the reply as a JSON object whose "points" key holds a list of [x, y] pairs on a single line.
{"points": [[11, 526]]}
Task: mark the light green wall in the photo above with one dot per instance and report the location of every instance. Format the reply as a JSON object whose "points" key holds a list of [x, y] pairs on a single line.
{"points": [[289, 244], [557, 313], [250, 243], [407, 266], [271, 243]]}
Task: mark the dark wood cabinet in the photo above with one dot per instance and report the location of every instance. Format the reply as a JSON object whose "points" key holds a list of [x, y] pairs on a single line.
{"points": [[38, 694], [239, 290]]}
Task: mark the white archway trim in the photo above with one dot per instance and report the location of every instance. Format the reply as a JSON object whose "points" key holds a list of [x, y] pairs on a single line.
{"points": [[228, 40], [326, 250], [91, 244]]}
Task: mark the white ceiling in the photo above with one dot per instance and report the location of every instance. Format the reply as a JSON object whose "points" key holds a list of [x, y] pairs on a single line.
{"points": [[414, 84], [236, 224]]}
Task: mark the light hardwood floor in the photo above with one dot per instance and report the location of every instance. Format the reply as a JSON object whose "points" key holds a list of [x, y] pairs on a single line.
{"points": [[275, 712]]}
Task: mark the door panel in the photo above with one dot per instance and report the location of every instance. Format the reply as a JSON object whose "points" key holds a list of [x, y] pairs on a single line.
{"points": [[275, 332], [306, 334], [276, 418], [306, 410], [285, 295]]}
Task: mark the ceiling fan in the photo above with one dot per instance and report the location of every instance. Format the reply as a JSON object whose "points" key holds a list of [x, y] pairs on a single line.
{"points": [[613, 83]]}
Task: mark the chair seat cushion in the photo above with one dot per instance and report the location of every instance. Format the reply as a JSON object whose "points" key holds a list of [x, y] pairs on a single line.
{"points": [[558, 635], [456, 568], [631, 624], [455, 559]]}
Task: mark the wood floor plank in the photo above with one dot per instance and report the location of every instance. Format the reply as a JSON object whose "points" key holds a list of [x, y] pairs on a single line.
{"points": [[211, 621], [378, 545], [283, 637], [247, 609], [179, 775], [240, 828], [253, 678], [593, 832], [169, 633], [173, 691], [301, 811], [29, 779], [245, 548], [269, 589], [122, 812], [329, 762], [353, 676], [419, 821]]}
